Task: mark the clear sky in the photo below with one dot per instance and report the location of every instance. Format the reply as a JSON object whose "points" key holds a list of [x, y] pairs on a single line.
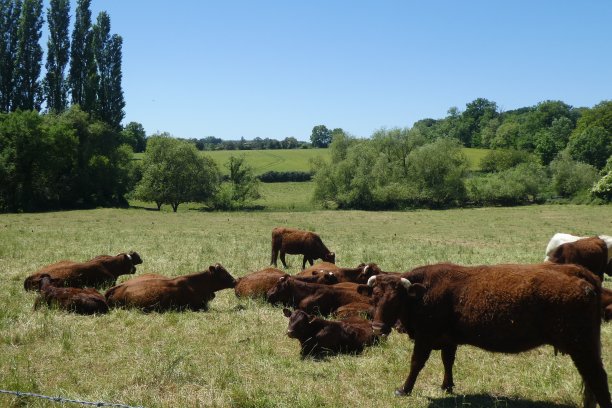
{"points": [[277, 68]]}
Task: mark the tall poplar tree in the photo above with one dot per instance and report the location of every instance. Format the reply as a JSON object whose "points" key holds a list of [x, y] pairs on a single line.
{"points": [[10, 10], [58, 44], [107, 54], [28, 89], [82, 66]]}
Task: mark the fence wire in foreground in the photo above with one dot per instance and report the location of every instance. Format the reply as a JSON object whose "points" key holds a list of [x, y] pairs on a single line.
{"points": [[63, 400]]}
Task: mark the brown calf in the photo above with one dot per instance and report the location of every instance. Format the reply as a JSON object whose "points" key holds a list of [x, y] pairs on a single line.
{"points": [[319, 337], [313, 297], [294, 241], [99, 271], [501, 308], [77, 300], [257, 284], [160, 293]]}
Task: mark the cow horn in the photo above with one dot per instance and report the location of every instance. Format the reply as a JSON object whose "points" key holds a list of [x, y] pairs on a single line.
{"points": [[371, 280], [405, 283], [365, 269]]}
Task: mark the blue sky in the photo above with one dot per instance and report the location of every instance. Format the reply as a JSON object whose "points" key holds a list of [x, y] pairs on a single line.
{"points": [[277, 68]]}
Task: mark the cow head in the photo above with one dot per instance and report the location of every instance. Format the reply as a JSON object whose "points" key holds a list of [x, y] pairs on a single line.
{"points": [[391, 295], [281, 291], [131, 259], [327, 278], [44, 282], [221, 277], [299, 326], [330, 257], [368, 270]]}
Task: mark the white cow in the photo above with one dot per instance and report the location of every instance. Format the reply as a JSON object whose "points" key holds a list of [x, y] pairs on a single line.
{"points": [[560, 238]]}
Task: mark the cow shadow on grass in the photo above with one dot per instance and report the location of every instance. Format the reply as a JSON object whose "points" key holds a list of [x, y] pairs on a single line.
{"points": [[486, 400]]}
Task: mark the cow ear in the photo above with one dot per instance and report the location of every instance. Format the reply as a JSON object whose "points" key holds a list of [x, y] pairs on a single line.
{"points": [[365, 290], [417, 290], [286, 312]]}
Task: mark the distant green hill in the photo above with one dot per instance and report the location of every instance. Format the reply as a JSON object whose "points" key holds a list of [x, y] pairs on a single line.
{"points": [[298, 159]]}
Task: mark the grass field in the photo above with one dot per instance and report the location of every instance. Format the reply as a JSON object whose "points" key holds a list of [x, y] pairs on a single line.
{"points": [[297, 159], [237, 353]]}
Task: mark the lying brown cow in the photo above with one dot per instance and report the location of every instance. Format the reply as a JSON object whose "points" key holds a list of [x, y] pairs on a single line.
{"points": [[313, 297], [319, 337], [294, 241], [77, 300], [592, 253], [360, 274], [160, 293], [257, 284], [501, 308], [99, 271]]}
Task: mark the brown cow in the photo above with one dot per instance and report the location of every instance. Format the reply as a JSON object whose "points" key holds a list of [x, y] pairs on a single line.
{"points": [[77, 300], [606, 303], [257, 284], [319, 337], [355, 309], [592, 253], [501, 308], [360, 274], [294, 241], [183, 292], [99, 271], [313, 297]]}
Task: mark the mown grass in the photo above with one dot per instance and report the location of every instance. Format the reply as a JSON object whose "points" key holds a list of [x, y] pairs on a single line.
{"points": [[236, 354], [297, 159]]}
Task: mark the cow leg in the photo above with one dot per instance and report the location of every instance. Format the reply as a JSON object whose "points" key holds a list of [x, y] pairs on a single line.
{"points": [[420, 354], [274, 257], [448, 359], [590, 367], [282, 258]]}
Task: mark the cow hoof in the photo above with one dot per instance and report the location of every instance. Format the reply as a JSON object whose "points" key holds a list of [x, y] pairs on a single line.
{"points": [[400, 393]]}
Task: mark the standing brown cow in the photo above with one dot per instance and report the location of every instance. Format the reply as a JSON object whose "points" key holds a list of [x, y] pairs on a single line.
{"points": [[500, 308], [591, 252], [294, 241]]}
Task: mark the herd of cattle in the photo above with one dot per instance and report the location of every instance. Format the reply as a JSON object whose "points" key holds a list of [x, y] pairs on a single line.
{"points": [[502, 308]]}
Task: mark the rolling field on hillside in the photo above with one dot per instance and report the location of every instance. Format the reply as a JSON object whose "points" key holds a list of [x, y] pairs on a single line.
{"points": [[237, 354], [297, 159]]}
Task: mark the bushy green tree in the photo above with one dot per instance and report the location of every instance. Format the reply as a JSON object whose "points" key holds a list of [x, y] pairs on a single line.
{"points": [[82, 77], [438, 170], [522, 184], [241, 187], [570, 177], [503, 159], [592, 146], [134, 135], [173, 172], [321, 136], [603, 188]]}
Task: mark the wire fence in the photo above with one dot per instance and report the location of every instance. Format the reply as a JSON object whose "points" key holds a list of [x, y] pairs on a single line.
{"points": [[64, 400]]}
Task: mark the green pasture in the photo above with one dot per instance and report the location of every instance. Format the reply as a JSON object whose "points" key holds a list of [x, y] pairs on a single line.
{"points": [[297, 159], [237, 353]]}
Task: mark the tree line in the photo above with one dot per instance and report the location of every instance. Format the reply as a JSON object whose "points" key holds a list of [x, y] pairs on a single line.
{"points": [[549, 152], [83, 70]]}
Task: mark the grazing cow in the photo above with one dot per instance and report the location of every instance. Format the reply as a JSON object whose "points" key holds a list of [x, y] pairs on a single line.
{"points": [[77, 300], [99, 271], [360, 274], [313, 297], [257, 284], [319, 337], [160, 293], [501, 308], [294, 241], [593, 253]]}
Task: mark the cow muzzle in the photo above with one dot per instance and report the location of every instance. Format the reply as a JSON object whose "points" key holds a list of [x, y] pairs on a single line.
{"points": [[290, 333]]}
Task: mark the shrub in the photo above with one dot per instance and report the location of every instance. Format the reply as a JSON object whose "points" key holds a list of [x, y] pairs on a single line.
{"points": [[569, 177], [522, 184], [500, 160], [603, 188], [283, 176]]}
